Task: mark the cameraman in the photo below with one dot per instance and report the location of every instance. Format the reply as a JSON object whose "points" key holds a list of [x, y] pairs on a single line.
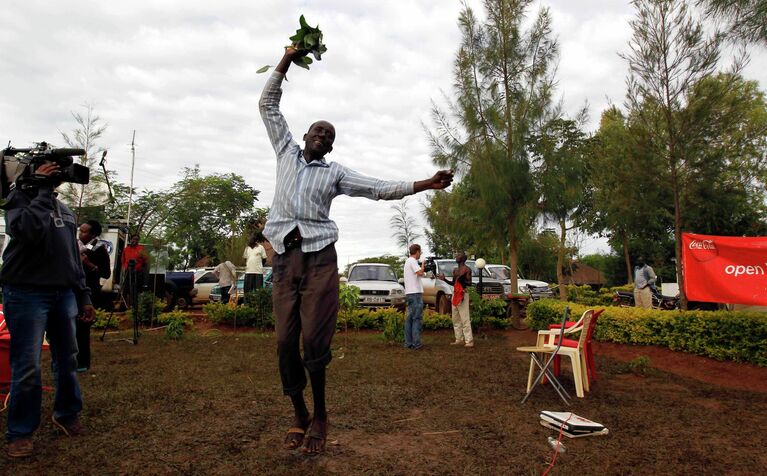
{"points": [[43, 291]]}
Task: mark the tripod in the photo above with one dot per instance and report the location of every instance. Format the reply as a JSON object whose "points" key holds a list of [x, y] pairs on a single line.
{"points": [[130, 276]]}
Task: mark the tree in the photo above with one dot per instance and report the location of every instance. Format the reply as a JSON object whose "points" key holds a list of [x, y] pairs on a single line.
{"points": [[627, 202], [668, 54], [84, 136], [457, 226], [561, 153], [726, 156], [745, 20], [503, 82], [205, 212], [404, 226], [538, 255]]}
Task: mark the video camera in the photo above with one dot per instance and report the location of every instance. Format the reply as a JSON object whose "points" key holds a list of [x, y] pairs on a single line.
{"points": [[18, 167], [430, 266]]}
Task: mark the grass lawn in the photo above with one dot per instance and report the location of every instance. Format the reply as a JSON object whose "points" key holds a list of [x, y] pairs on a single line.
{"points": [[212, 404]]}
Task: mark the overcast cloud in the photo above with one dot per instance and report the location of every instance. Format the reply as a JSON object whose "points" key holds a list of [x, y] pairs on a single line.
{"points": [[182, 73]]}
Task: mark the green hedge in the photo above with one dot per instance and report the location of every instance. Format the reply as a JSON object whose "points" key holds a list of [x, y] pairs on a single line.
{"points": [[587, 296], [740, 336], [248, 316], [375, 319]]}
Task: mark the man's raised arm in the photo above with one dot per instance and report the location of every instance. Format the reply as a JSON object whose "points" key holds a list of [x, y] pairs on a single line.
{"points": [[269, 105]]}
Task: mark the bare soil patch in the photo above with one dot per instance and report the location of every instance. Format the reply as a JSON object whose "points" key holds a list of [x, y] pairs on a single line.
{"points": [[212, 404]]}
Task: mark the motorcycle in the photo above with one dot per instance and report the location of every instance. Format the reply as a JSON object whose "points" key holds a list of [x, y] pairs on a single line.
{"points": [[659, 301]]}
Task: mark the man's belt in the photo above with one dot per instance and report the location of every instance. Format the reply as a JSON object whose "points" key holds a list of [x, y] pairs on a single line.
{"points": [[292, 240]]}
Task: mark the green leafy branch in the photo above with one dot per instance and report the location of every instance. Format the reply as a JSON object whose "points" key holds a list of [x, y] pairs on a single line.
{"points": [[307, 40]]}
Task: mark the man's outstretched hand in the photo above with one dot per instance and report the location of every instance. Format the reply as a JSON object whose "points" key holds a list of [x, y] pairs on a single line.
{"points": [[441, 180], [290, 54]]}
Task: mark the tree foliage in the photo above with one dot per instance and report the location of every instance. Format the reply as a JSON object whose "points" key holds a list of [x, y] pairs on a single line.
{"points": [[86, 134], [206, 211], [561, 153], [744, 20], [503, 85], [668, 54], [404, 226]]}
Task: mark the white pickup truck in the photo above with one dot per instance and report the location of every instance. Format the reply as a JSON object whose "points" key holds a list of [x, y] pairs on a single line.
{"points": [[438, 293]]}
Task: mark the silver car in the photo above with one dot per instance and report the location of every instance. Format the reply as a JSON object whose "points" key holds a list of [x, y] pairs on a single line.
{"points": [[378, 285]]}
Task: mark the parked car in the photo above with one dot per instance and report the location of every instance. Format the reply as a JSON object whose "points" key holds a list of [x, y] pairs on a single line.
{"points": [[378, 285], [204, 282], [537, 289], [438, 293], [215, 292]]}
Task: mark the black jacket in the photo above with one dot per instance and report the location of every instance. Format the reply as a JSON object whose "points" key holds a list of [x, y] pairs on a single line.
{"points": [[43, 250], [99, 256]]}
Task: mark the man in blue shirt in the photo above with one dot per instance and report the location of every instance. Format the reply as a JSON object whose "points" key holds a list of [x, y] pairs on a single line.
{"points": [[305, 271]]}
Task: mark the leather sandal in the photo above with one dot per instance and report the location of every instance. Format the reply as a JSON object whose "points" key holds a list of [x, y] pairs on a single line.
{"points": [[292, 443]]}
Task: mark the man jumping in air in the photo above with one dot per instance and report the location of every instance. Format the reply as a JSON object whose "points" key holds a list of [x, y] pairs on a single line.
{"points": [[305, 271]]}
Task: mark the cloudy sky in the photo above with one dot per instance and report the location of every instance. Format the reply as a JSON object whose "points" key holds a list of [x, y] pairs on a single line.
{"points": [[183, 75]]}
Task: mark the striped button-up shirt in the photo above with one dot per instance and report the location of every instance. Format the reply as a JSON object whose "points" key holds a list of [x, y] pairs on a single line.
{"points": [[304, 190]]}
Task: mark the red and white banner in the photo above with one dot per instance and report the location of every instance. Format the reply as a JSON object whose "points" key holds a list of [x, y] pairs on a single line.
{"points": [[725, 269]]}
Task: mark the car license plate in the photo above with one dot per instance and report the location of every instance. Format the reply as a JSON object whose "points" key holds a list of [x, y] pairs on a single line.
{"points": [[375, 300], [491, 296]]}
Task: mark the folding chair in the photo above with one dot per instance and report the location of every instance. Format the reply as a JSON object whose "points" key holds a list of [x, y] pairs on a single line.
{"points": [[545, 369]]}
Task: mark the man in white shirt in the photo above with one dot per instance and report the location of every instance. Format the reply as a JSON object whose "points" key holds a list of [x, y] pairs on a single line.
{"points": [[227, 276], [254, 256], [414, 298]]}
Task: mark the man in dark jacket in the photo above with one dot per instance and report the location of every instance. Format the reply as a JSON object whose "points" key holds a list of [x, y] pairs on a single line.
{"points": [[44, 290], [95, 259]]}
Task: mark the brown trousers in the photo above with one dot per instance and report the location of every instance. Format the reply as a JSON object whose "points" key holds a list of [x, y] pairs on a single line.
{"points": [[305, 297]]}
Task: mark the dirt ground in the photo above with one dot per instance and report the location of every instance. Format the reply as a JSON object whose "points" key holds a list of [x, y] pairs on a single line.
{"points": [[211, 404]]}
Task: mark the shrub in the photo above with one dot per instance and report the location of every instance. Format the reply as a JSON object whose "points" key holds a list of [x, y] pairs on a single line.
{"points": [[166, 318], [102, 318], [740, 336], [175, 330], [260, 317], [394, 328], [434, 320], [640, 366], [587, 296], [149, 307], [481, 308], [176, 321]]}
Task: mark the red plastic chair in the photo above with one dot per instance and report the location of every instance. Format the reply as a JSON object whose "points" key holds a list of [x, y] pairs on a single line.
{"points": [[591, 367], [5, 357]]}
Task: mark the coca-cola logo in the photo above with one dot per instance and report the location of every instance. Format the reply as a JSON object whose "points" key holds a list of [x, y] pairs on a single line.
{"points": [[703, 250]]}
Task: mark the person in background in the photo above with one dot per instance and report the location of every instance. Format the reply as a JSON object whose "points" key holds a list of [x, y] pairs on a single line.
{"points": [[136, 252], [227, 277], [644, 283], [95, 260], [254, 256], [461, 319], [414, 297]]}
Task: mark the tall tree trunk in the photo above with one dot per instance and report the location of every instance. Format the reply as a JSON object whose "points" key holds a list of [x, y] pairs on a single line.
{"points": [[625, 240], [561, 261], [513, 264], [678, 237]]}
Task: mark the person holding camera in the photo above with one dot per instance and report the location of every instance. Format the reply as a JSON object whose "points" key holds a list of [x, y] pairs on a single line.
{"points": [[44, 290], [305, 268], [95, 260], [414, 297]]}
